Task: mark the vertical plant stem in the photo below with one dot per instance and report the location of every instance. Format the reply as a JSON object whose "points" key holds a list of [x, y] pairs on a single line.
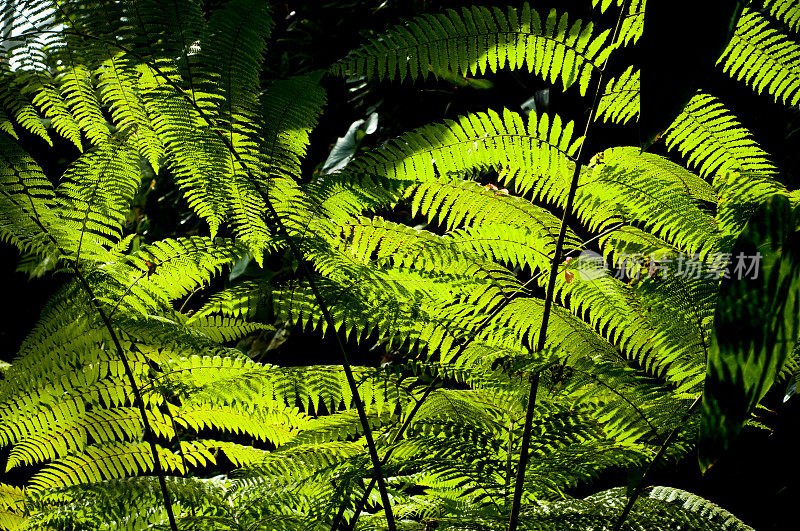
{"points": [[642, 482], [363, 501], [137, 397], [516, 503], [280, 228], [295, 250]]}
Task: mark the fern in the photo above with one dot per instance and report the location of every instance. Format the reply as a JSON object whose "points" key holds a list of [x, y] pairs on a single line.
{"points": [[715, 141], [764, 58], [479, 40], [129, 393], [786, 11]]}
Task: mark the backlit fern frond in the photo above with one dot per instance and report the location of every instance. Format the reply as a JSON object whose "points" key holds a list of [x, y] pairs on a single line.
{"points": [[714, 141], [12, 510], [28, 217], [627, 184], [146, 281], [680, 307], [289, 110], [478, 40], [97, 192], [15, 105], [619, 101], [237, 26], [786, 10], [632, 24], [740, 195], [706, 132], [661, 508], [117, 85], [457, 203], [242, 300], [605, 4], [453, 306], [542, 147], [764, 58]]}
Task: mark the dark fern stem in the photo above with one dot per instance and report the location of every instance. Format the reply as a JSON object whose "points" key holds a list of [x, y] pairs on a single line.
{"points": [[305, 271], [641, 483], [516, 503], [148, 430], [137, 396]]}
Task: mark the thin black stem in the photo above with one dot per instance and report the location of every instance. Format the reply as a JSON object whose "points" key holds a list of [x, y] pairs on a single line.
{"points": [[137, 396], [642, 482], [516, 503], [363, 501], [148, 430]]}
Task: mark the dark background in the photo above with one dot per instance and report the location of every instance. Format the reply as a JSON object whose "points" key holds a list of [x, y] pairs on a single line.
{"points": [[757, 481]]}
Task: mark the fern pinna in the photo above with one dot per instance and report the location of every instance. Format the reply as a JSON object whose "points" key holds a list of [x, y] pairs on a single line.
{"points": [[126, 407]]}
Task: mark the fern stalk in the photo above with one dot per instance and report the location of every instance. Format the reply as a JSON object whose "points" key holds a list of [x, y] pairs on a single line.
{"points": [[363, 501], [148, 430], [642, 482], [137, 397], [348, 370], [516, 504]]}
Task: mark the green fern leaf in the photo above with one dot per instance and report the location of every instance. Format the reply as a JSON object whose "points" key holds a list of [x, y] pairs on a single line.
{"points": [[478, 40], [764, 58]]}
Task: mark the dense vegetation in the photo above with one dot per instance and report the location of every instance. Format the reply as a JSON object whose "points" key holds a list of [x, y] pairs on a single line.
{"points": [[465, 313]]}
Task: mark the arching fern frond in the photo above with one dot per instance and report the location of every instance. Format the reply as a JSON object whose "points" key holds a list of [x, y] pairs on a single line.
{"points": [[632, 185], [714, 141], [619, 101], [28, 218], [97, 192], [542, 147], [15, 105], [786, 10], [478, 40], [764, 58]]}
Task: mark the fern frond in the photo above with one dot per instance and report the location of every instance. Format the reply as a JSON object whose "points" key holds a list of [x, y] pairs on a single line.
{"points": [[97, 463], [243, 300], [18, 107], [238, 26], [118, 83], [97, 192], [543, 147], [740, 196], [714, 141], [222, 329], [478, 40], [53, 107], [619, 101], [77, 88], [28, 218], [73, 435], [785, 10], [627, 184], [764, 58], [662, 508], [169, 269], [289, 110], [12, 509], [195, 154]]}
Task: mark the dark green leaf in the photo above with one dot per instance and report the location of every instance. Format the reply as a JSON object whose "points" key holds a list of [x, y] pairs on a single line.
{"points": [[756, 325]]}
